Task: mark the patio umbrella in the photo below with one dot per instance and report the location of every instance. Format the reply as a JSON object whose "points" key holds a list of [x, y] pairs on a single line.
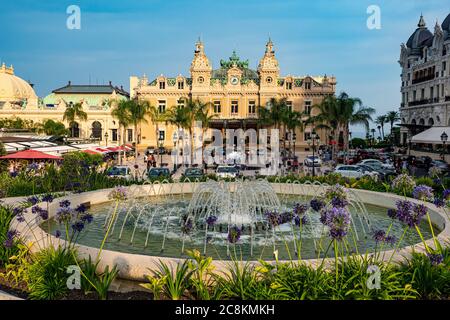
{"points": [[31, 155], [91, 151]]}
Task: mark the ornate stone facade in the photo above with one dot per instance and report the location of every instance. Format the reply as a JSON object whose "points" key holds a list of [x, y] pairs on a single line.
{"points": [[425, 62], [234, 92]]}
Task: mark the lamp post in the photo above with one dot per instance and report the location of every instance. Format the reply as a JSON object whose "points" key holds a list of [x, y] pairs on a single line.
{"points": [[409, 144], [106, 138], [312, 141], [160, 145], [444, 138]]}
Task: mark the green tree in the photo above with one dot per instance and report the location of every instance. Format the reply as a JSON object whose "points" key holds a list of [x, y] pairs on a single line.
{"points": [[122, 113], [73, 113], [392, 117], [380, 121], [138, 112], [51, 128]]}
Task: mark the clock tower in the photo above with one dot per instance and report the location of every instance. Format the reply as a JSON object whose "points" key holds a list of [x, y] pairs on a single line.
{"points": [[268, 68], [200, 68]]}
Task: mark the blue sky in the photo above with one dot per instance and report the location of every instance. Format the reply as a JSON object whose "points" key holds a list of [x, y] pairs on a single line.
{"points": [[122, 38]]}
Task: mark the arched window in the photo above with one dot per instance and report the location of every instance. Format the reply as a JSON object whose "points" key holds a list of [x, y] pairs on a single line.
{"points": [[422, 122], [444, 50], [74, 130], [96, 130], [430, 122], [413, 121]]}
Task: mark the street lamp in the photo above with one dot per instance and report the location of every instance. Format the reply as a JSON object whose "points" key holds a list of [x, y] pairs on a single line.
{"points": [[106, 138], [444, 138], [160, 146], [312, 141], [409, 144]]}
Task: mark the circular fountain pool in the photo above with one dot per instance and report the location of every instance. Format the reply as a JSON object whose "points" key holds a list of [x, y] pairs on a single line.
{"points": [[169, 223]]}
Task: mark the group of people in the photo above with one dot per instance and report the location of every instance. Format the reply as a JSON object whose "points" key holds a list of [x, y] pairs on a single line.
{"points": [[150, 160]]}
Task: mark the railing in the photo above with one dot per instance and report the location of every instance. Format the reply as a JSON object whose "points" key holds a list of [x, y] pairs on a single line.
{"points": [[423, 79], [423, 101]]}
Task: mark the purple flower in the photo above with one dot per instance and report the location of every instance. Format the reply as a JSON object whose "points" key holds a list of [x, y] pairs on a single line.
{"points": [[9, 239], [300, 208], [187, 225], [42, 213], [234, 234], [78, 226], [118, 193], [392, 213], [423, 192], [48, 198], [438, 202], [390, 240], [339, 202], [64, 214], [317, 204], [435, 258], [13, 174], [286, 217], [379, 235], [58, 234], [338, 220], [33, 200], [87, 217], [303, 220], [273, 218], [64, 204], [338, 196], [446, 194], [81, 208], [33, 166], [211, 220]]}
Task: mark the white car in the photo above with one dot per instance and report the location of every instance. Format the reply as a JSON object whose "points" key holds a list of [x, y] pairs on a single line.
{"points": [[312, 159], [376, 164], [227, 172], [123, 172], [350, 171]]}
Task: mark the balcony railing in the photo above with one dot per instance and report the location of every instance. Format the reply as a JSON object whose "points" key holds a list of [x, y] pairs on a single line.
{"points": [[423, 79], [423, 101]]}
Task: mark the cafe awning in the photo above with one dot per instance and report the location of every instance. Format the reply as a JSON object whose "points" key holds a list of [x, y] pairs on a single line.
{"points": [[432, 135], [31, 155]]}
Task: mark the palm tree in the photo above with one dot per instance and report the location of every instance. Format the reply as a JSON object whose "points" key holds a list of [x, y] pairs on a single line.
{"points": [[138, 111], [205, 118], [121, 112], [156, 117], [51, 128], [73, 113], [178, 117], [391, 118], [380, 121], [293, 120], [338, 113]]}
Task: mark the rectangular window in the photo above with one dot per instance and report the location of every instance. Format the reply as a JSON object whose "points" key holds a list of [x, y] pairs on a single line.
{"points": [[289, 105], [442, 89], [217, 107], [289, 85], [129, 135], [252, 107], [407, 97], [234, 106], [431, 92], [414, 95], [162, 85], [180, 85], [308, 85], [308, 106], [307, 136], [162, 135], [422, 94], [114, 134], [162, 106], [180, 103]]}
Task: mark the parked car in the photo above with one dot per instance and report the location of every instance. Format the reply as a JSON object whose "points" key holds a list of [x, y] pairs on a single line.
{"points": [[227, 172], [423, 162], [382, 173], [441, 165], [123, 172], [376, 164], [349, 171], [158, 172], [312, 159], [193, 173], [150, 150]]}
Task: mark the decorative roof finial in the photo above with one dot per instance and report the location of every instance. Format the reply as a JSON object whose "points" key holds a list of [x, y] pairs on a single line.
{"points": [[421, 23]]}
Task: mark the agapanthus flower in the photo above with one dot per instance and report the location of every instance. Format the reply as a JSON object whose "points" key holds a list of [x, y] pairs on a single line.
{"points": [[18, 213], [338, 220], [13, 174], [81, 208], [409, 213], [403, 182], [33, 200], [435, 258], [58, 234], [87, 217], [64, 214], [119, 193], [211, 220], [64, 204], [303, 220], [379, 235], [390, 240], [392, 213], [300, 208], [338, 195], [33, 166], [285, 217], [9, 238], [48, 198], [78, 226], [234, 234], [434, 172], [273, 218], [41, 212], [437, 181], [317, 204], [438, 202], [423, 192], [446, 194]]}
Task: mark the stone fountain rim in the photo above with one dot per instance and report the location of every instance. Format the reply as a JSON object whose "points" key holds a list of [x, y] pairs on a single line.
{"points": [[136, 266]]}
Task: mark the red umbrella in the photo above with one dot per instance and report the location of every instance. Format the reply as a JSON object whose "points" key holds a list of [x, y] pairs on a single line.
{"points": [[90, 151], [31, 155]]}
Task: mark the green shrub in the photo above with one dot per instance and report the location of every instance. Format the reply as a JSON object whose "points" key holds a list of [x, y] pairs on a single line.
{"points": [[100, 282], [47, 275], [425, 180], [7, 251]]}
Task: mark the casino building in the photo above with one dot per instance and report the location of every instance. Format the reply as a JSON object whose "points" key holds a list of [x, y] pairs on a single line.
{"points": [[234, 91]]}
